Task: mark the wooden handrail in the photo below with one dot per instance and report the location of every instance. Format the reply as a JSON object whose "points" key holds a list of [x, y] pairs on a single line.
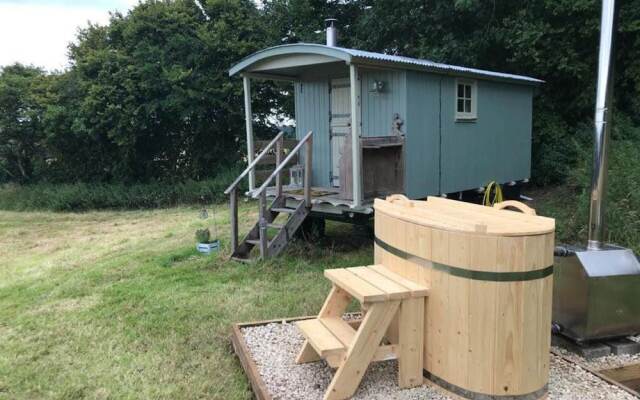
{"points": [[261, 191], [283, 164], [254, 163]]}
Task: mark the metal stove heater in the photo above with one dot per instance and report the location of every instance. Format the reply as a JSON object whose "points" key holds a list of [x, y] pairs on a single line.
{"points": [[597, 288]]}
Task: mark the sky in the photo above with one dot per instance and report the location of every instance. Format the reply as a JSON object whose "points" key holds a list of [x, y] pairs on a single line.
{"points": [[38, 31]]}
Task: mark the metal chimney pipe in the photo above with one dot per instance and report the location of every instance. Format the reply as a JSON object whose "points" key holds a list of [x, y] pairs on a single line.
{"points": [[602, 128], [332, 32]]}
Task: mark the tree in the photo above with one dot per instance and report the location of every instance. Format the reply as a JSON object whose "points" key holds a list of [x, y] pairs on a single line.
{"points": [[157, 98], [23, 98]]}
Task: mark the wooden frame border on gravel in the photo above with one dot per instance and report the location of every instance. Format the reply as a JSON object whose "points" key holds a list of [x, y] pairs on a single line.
{"points": [[260, 389], [244, 355], [596, 373]]}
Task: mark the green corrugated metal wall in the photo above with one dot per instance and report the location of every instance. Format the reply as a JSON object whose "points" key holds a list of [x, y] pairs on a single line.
{"points": [[497, 146], [442, 155], [378, 108], [312, 113], [422, 135]]}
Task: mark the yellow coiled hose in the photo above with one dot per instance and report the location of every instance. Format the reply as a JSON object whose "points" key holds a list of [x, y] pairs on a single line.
{"points": [[488, 200]]}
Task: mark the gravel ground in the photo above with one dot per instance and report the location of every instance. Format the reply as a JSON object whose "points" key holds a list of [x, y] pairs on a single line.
{"points": [[274, 348], [611, 361], [569, 381]]}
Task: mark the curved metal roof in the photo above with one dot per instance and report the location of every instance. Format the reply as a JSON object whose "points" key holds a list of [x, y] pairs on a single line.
{"points": [[354, 56]]}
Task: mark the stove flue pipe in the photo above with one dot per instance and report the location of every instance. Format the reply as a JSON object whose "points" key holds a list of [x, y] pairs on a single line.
{"points": [[602, 128], [332, 32]]}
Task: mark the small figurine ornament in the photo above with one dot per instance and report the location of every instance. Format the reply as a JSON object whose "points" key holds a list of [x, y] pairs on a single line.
{"points": [[396, 125], [204, 214]]}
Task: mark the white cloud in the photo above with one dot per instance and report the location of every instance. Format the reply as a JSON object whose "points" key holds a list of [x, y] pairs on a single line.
{"points": [[38, 32]]}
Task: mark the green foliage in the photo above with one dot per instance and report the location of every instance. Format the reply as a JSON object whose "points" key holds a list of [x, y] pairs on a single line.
{"points": [[623, 194], [23, 99], [157, 93], [95, 196], [203, 235], [556, 149], [147, 97]]}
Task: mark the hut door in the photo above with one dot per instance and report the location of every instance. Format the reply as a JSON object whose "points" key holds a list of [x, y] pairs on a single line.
{"points": [[340, 124]]}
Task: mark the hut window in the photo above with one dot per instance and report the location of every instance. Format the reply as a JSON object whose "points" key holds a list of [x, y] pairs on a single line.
{"points": [[466, 99]]}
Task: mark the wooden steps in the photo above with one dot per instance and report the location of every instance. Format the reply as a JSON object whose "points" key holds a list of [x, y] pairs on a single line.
{"points": [[285, 210], [331, 338], [415, 289], [386, 297], [320, 338], [327, 336], [274, 243], [268, 213], [374, 283], [340, 329]]}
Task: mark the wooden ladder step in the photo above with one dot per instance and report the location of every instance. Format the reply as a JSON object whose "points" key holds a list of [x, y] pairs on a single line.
{"points": [[320, 337], [416, 289], [357, 287], [285, 210], [255, 242], [374, 283], [394, 290], [340, 329], [275, 226]]}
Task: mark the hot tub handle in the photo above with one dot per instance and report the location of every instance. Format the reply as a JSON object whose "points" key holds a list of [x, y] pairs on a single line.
{"points": [[523, 208], [400, 198]]}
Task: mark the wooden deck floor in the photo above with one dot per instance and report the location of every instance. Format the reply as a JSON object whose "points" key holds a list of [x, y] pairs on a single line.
{"points": [[322, 197]]}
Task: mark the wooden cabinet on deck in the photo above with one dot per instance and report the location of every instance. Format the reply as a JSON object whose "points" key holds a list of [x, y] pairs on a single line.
{"points": [[382, 166]]}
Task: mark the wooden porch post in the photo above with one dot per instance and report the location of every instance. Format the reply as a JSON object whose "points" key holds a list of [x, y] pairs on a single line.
{"points": [[248, 117], [355, 136]]}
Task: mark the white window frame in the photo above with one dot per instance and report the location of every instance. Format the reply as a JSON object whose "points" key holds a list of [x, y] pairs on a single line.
{"points": [[471, 115]]}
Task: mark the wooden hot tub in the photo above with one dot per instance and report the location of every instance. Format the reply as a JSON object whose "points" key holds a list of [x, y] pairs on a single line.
{"points": [[488, 315]]}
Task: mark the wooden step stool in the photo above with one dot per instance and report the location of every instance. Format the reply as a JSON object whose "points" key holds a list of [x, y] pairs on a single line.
{"points": [[383, 296]]}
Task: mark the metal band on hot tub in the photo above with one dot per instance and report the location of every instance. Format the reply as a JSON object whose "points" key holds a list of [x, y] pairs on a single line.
{"points": [[468, 394], [467, 273]]}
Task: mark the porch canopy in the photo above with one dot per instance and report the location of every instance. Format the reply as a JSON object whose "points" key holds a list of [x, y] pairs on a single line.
{"points": [[294, 62]]}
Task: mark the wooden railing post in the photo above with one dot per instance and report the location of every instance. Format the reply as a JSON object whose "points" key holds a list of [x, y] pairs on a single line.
{"points": [[233, 204], [306, 141], [262, 224], [248, 117], [279, 145], [307, 172], [251, 167]]}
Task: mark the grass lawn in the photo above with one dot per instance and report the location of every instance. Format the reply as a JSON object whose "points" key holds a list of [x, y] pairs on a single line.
{"points": [[118, 305]]}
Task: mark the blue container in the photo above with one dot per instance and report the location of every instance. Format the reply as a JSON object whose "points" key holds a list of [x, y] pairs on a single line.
{"points": [[208, 248]]}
